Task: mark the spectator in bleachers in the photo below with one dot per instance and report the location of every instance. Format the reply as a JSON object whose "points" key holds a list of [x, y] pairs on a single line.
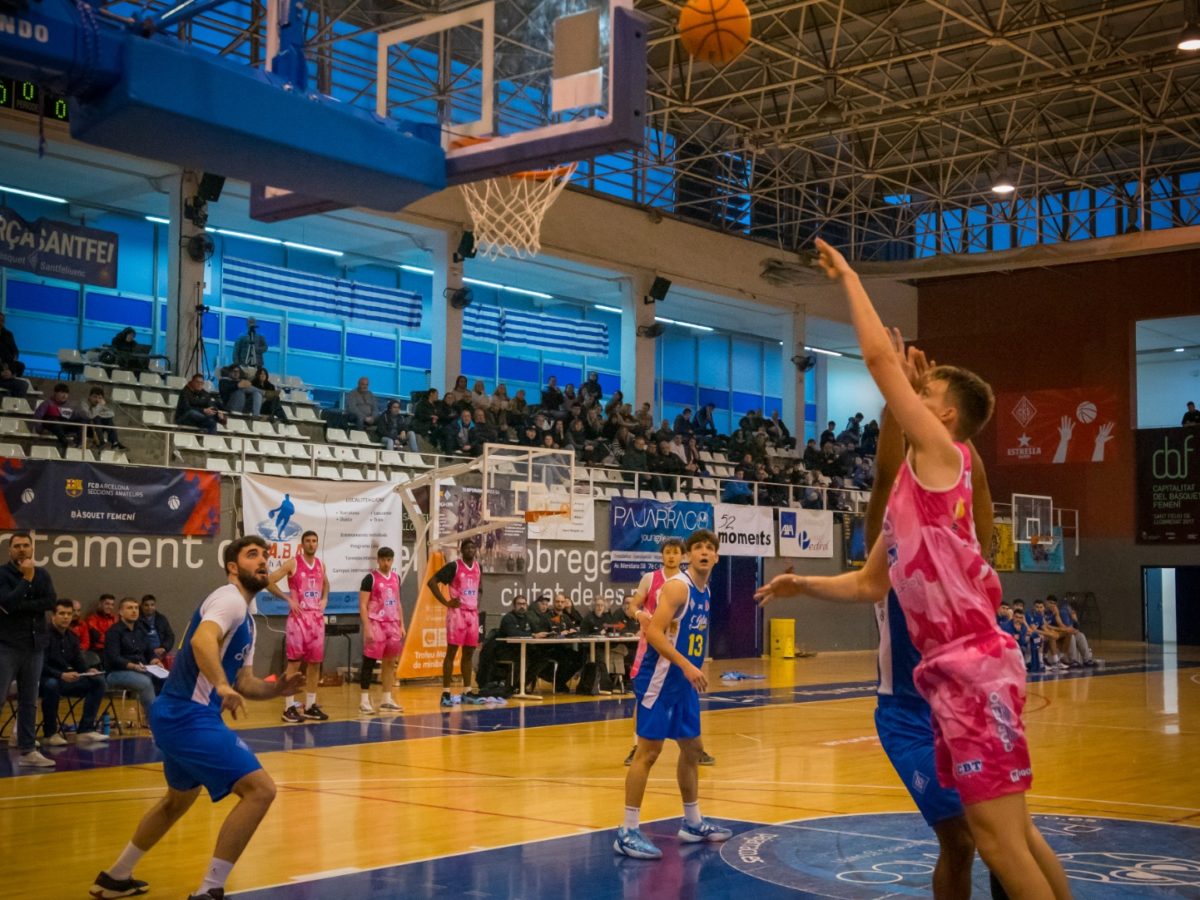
{"points": [[128, 353], [870, 438], [813, 497], [9, 354], [530, 436], [635, 459], [101, 417], [854, 426], [752, 421], [569, 397], [64, 674], [1192, 416], [458, 397], [272, 405], [615, 402], [518, 409], [590, 392], [670, 466], [552, 399], [577, 435], [361, 405], [10, 384], [828, 436], [394, 428], [245, 398], [58, 417], [550, 441], [460, 436], [480, 398], [197, 407], [483, 432], [159, 634], [127, 653], [664, 433], [498, 411], [683, 423], [812, 455], [103, 617], [706, 426], [777, 431], [429, 418], [736, 489], [250, 349], [227, 382]]}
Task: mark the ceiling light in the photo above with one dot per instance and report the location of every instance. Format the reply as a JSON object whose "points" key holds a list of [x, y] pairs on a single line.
{"points": [[312, 249], [682, 324], [1189, 38], [830, 112], [416, 270], [158, 220], [1003, 182], [1178, 349], [20, 193], [611, 309], [819, 350], [504, 287], [247, 237]]}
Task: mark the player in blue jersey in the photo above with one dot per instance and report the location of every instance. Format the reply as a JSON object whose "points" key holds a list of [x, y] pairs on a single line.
{"points": [[667, 694], [212, 674]]}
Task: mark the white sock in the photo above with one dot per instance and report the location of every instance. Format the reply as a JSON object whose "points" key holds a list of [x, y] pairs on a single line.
{"points": [[387, 698], [218, 872], [691, 813], [289, 701], [632, 815], [123, 867], [366, 698], [310, 700]]}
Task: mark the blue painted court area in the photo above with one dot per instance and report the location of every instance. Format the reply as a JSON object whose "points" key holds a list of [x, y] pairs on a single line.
{"points": [[480, 719], [861, 857]]}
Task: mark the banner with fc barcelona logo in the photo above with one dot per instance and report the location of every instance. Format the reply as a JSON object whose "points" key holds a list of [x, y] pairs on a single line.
{"points": [[78, 496]]}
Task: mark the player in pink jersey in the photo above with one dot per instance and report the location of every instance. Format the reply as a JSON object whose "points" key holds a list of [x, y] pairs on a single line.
{"points": [[383, 630], [971, 672], [463, 578], [641, 606], [307, 597]]}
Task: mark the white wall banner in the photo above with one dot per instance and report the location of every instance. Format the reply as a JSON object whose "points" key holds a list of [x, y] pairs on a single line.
{"points": [[745, 530], [806, 532], [581, 526], [352, 519]]}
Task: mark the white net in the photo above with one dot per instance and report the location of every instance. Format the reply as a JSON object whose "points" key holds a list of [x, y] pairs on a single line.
{"points": [[507, 212]]}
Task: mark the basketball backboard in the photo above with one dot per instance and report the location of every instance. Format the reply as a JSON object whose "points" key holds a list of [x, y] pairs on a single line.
{"points": [[1033, 518], [520, 483]]}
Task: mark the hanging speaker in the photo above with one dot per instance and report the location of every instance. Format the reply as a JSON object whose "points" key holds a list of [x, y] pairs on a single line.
{"points": [[211, 186], [658, 290], [651, 331]]}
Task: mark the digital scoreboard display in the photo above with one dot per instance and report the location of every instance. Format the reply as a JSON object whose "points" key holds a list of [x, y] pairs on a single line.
{"points": [[27, 97]]}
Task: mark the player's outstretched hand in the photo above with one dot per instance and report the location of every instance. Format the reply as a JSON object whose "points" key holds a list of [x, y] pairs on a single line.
{"points": [[231, 700], [832, 262], [286, 685], [696, 677], [785, 585]]}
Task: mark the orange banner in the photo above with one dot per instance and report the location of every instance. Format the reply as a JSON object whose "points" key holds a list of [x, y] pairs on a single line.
{"points": [[425, 647]]}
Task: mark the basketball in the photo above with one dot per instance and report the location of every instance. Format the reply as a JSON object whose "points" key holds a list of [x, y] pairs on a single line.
{"points": [[715, 31], [1086, 412]]}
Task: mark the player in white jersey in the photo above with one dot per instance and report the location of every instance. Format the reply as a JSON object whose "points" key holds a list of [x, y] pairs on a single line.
{"points": [[307, 597], [382, 630], [212, 674]]}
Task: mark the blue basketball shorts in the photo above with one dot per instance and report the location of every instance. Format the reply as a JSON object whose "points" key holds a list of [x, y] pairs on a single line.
{"points": [[672, 715], [906, 733], [198, 748]]}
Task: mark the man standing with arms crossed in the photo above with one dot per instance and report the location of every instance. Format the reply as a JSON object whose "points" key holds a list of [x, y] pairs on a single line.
{"points": [[213, 673], [383, 630], [307, 597]]}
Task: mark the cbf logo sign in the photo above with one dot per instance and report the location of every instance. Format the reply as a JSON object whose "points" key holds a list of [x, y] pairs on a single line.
{"points": [[804, 532], [279, 525]]}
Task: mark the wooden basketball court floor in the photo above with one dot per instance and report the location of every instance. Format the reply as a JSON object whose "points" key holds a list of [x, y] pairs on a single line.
{"points": [[520, 801]]}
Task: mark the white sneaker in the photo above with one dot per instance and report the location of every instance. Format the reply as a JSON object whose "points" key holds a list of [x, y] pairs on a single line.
{"points": [[91, 737], [56, 740], [365, 709], [33, 758]]}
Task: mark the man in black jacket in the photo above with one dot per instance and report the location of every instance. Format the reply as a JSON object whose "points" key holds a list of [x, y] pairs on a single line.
{"points": [[159, 634], [127, 653], [197, 408], [26, 595], [64, 674], [516, 623], [8, 350]]}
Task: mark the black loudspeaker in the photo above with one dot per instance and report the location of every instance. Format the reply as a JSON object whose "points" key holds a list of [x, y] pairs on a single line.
{"points": [[466, 246], [651, 331], [460, 298], [211, 186], [658, 290]]}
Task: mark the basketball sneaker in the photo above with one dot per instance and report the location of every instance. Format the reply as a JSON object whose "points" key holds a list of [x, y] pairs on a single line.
{"points": [[316, 713], [447, 700], [629, 758], [56, 740], [293, 715], [706, 760], [210, 894], [631, 842], [35, 759], [389, 707], [106, 887], [705, 831], [365, 709]]}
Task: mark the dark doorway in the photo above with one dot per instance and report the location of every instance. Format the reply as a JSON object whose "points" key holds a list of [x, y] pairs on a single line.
{"points": [[736, 625], [1172, 604]]}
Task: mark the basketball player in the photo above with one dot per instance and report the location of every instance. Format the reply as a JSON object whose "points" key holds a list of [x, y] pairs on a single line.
{"points": [[667, 691], [383, 630], [212, 674], [971, 672], [307, 597], [463, 578], [641, 607]]}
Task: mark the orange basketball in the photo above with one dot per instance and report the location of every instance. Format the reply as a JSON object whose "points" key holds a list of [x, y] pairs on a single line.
{"points": [[715, 30]]}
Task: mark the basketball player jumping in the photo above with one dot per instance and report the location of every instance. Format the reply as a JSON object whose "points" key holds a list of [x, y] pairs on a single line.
{"points": [[667, 691], [212, 674], [307, 597], [971, 673], [383, 630], [463, 578]]}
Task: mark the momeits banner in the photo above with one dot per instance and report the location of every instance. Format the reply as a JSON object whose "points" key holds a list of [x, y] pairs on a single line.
{"points": [[58, 249], [1070, 425], [79, 496], [639, 527]]}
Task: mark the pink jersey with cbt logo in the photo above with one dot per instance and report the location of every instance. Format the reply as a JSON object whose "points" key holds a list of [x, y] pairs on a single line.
{"points": [[657, 580], [462, 623], [307, 583], [971, 672], [305, 630], [465, 585], [384, 605]]}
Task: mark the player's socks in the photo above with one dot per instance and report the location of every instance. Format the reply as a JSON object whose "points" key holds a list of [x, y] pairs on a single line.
{"points": [[691, 813], [366, 698], [310, 700], [633, 815], [123, 867], [217, 875], [387, 698], [289, 701]]}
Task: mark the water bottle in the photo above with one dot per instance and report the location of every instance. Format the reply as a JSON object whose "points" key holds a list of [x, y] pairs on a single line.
{"points": [[104, 724]]}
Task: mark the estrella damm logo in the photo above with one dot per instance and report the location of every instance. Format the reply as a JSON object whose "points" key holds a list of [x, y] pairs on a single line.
{"points": [[74, 487]]}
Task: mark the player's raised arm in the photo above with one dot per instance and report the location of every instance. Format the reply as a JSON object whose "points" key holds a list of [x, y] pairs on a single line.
{"points": [[673, 595], [867, 585]]}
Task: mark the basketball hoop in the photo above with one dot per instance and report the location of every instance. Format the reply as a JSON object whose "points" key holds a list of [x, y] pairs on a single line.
{"points": [[507, 212], [536, 515], [1039, 540]]}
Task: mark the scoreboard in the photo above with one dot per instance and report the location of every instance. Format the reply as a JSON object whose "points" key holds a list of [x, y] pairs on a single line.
{"points": [[28, 97]]}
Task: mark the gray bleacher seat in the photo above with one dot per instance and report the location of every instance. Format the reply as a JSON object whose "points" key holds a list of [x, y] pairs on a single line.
{"points": [[70, 362], [271, 467], [251, 467], [300, 470], [123, 376], [324, 453], [11, 451], [155, 398], [18, 405], [292, 450], [114, 456], [360, 437], [271, 449], [352, 473], [176, 382], [150, 380], [126, 396], [289, 430], [331, 473], [266, 429], [416, 461], [236, 426], [306, 414], [218, 464], [391, 457], [155, 418], [95, 373], [187, 440], [79, 454], [213, 443], [336, 436], [45, 451], [345, 454]]}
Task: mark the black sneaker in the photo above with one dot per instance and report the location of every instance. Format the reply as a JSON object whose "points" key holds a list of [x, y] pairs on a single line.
{"points": [[106, 887], [293, 715], [210, 894], [629, 758], [706, 760], [315, 712]]}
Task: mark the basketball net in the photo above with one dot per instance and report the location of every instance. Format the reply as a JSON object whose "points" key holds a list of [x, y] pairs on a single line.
{"points": [[507, 212]]}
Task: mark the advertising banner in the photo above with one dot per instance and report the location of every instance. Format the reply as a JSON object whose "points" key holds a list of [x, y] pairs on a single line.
{"points": [[806, 532], [745, 530], [79, 496], [1168, 485], [639, 527], [425, 648], [1003, 552], [461, 509], [1071, 425], [581, 526], [351, 519], [1041, 559], [58, 249]]}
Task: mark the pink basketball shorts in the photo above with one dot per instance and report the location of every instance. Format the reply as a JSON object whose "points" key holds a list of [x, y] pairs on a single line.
{"points": [[462, 627], [305, 637], [385, 642], [976, 688]]}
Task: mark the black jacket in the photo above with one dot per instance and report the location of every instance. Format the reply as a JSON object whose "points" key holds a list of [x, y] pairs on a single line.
{"points": [[516, 624], [62, 654], [23, 606], [166, 636], [123, 646]]}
